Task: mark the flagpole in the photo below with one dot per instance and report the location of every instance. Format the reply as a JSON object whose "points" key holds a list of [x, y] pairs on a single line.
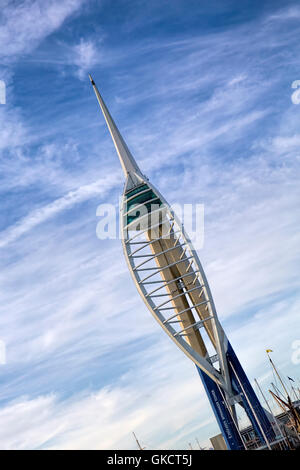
{"points": [[280, 379]]}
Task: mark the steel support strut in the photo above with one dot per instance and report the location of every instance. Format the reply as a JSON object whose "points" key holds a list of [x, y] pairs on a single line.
{"points": [[249, 401]]}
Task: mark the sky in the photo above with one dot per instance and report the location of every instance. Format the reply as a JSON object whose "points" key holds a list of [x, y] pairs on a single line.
{"points": [[202, 93]]}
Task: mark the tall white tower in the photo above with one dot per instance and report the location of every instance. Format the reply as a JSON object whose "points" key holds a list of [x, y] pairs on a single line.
{"points": [[170, 279]]}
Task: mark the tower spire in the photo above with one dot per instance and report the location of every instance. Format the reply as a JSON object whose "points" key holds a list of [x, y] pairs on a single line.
{"points": [[128, 163]]}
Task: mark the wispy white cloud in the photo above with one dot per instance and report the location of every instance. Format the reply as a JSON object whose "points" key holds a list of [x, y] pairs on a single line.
{"points": [[27, 23], [285, 14], [87, 420], [13, 129], [38, 216], [85, 56]]}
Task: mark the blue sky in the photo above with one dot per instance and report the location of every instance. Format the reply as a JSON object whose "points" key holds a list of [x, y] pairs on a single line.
{"points": [[202, 94]]}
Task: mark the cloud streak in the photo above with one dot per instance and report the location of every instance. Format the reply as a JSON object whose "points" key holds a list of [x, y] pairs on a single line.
{"points": [[38, 216], [29, 22]]}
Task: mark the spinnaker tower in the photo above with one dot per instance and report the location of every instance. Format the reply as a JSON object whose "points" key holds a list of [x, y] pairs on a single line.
{"points": [[171, 281]]}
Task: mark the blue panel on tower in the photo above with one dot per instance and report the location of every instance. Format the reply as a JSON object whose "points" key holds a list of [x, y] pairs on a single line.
{"points": [[222, 414]]}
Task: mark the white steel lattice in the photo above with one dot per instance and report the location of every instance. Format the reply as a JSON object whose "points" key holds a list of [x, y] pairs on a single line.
{"points": [[169, 276]]}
